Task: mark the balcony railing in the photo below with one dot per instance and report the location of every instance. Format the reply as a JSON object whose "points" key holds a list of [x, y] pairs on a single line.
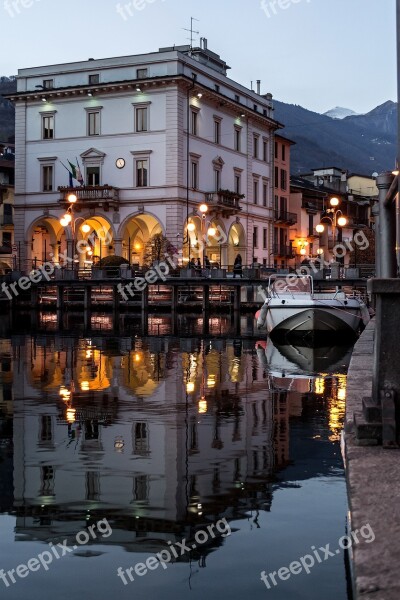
{"points": [[226, 201], [283, 250], [91, 194], [282, 216]]}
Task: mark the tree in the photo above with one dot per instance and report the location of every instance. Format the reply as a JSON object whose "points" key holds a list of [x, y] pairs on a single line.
{"points": [[157, 248]]}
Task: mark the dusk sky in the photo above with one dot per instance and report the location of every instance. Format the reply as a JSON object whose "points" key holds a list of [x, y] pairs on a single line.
{"points": [[316, 53]]}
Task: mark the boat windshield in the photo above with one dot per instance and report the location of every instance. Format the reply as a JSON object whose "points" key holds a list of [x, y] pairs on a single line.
{"points": [[292, 285]]}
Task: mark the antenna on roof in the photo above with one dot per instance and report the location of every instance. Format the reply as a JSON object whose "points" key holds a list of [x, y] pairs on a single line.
{"points": [[191, 31]]}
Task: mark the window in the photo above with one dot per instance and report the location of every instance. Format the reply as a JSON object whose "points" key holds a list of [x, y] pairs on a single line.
{"points": [[255, 107], [255, 237], [48, 84], [238, 185], [265, 237], [93, 123], [141, 440], [141, 488], [276, 149], [217, 179], [142, 168], [217, 131], [237, 98], [265, 194], [217, 88], [48, 127], [141, 73], [310, 224], [193, 122], [255, 146], [276, 177], [265, 150], [7, 239], [283, 152], [276, 203], [47, 178], [7, 214], [238, 136], [94, 79], [194, 175], [141, 120], [92, 175], [255, 191], [283, 179]]}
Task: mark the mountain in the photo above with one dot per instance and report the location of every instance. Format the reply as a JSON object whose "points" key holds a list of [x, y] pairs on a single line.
{"points": [[8, 85], [339, 113], [359, 143]]}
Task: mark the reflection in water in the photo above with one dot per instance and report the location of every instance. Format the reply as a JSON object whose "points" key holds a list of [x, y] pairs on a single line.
{"points": [[162, 436]]}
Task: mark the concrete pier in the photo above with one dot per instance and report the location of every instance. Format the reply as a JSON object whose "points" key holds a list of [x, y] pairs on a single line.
{"points": [[373, 479]]}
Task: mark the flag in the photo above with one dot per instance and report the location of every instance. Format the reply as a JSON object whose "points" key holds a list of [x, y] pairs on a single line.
{"points": [[76, 173], [70, 175], [79, 173]]}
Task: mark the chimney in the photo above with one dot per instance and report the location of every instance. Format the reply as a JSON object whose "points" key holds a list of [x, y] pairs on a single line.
{"points": [[259, 87]]}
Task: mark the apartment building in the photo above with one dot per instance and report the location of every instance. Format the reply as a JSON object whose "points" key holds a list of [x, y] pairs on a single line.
{"points": [[6, 206], [284, 218], [149, 139]]}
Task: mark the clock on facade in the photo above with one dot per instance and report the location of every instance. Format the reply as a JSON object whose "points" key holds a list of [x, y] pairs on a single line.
{"points": [[120, 163]]}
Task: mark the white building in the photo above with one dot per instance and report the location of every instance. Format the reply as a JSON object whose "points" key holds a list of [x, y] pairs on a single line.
{"points": [[124, 122]]}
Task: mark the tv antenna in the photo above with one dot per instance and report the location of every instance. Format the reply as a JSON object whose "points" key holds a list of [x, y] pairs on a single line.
{"points": [[191, 31]]}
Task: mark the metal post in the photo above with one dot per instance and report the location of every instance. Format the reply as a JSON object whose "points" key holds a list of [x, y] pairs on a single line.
{"points": [[386, 235]]}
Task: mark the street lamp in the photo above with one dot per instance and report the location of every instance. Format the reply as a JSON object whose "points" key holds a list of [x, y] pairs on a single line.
{"points": [[211, 231], [337, 220], [69, 220]]}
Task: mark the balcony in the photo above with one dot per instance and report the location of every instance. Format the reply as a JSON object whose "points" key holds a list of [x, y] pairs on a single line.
{"points": [[92, 196], [282, 216], [283, 251], [224, 201]]}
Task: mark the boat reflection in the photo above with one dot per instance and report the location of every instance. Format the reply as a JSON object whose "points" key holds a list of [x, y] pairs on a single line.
{"points": [[303, 370]]}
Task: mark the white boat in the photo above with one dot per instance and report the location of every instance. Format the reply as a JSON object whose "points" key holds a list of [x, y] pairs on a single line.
{"points": [[293, 309]]}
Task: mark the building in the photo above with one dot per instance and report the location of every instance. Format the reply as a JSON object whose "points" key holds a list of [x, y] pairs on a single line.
{"points": [[6, 206], [123, 123], [284, 218], [310, 199]]}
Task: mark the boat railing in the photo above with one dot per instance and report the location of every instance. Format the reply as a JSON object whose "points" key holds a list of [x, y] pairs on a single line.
{"points": [[291, 284]]}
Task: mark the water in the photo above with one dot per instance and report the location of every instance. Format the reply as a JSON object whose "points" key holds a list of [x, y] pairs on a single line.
{"points": [[163, 437]]}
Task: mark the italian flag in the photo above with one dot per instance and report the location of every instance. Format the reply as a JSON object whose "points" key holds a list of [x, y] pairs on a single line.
{"points": [[76, 173]]}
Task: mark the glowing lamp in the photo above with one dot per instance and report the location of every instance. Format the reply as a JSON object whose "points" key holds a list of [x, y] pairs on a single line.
{"points": [[190, 387], [85, 228], [64, 222], [72, 198], [191, 227], [303, 251], [212, 231], [320, 228], [342, 221], [334, 201], [203, 208]]}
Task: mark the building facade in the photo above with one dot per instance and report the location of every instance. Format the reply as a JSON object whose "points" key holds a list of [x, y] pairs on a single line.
{"points": [[7, 168], [149, 139], [284, 218]]}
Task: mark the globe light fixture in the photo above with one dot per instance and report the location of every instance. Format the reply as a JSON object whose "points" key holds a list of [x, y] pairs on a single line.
{"points": [[85, 228], [334, 202], [212, 231], [191, 227], [203, 208], [64, 222], [342, 221], [72, 198], [67, 217], [320, 251]]}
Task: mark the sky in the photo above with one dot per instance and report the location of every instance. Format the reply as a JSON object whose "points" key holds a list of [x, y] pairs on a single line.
{"points": [[315, 53]]}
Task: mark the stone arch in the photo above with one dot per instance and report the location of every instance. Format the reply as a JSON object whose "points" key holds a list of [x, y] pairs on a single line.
{"points": [[135, 231], [45, 238], [237, 243]]}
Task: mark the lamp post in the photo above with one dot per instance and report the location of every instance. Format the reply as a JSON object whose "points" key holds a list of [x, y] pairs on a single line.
{"points": [[69, 219], [337, 220], [203, 208]]}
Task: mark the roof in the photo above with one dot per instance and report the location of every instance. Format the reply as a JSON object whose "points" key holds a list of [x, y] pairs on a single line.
{"points": [[282, 137]]}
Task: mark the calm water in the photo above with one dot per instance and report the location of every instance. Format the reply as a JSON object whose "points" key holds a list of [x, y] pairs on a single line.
{"points": [[163, 436]]}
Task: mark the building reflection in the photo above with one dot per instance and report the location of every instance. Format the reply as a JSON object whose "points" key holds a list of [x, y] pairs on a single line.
{"points": [[159, 435]]}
